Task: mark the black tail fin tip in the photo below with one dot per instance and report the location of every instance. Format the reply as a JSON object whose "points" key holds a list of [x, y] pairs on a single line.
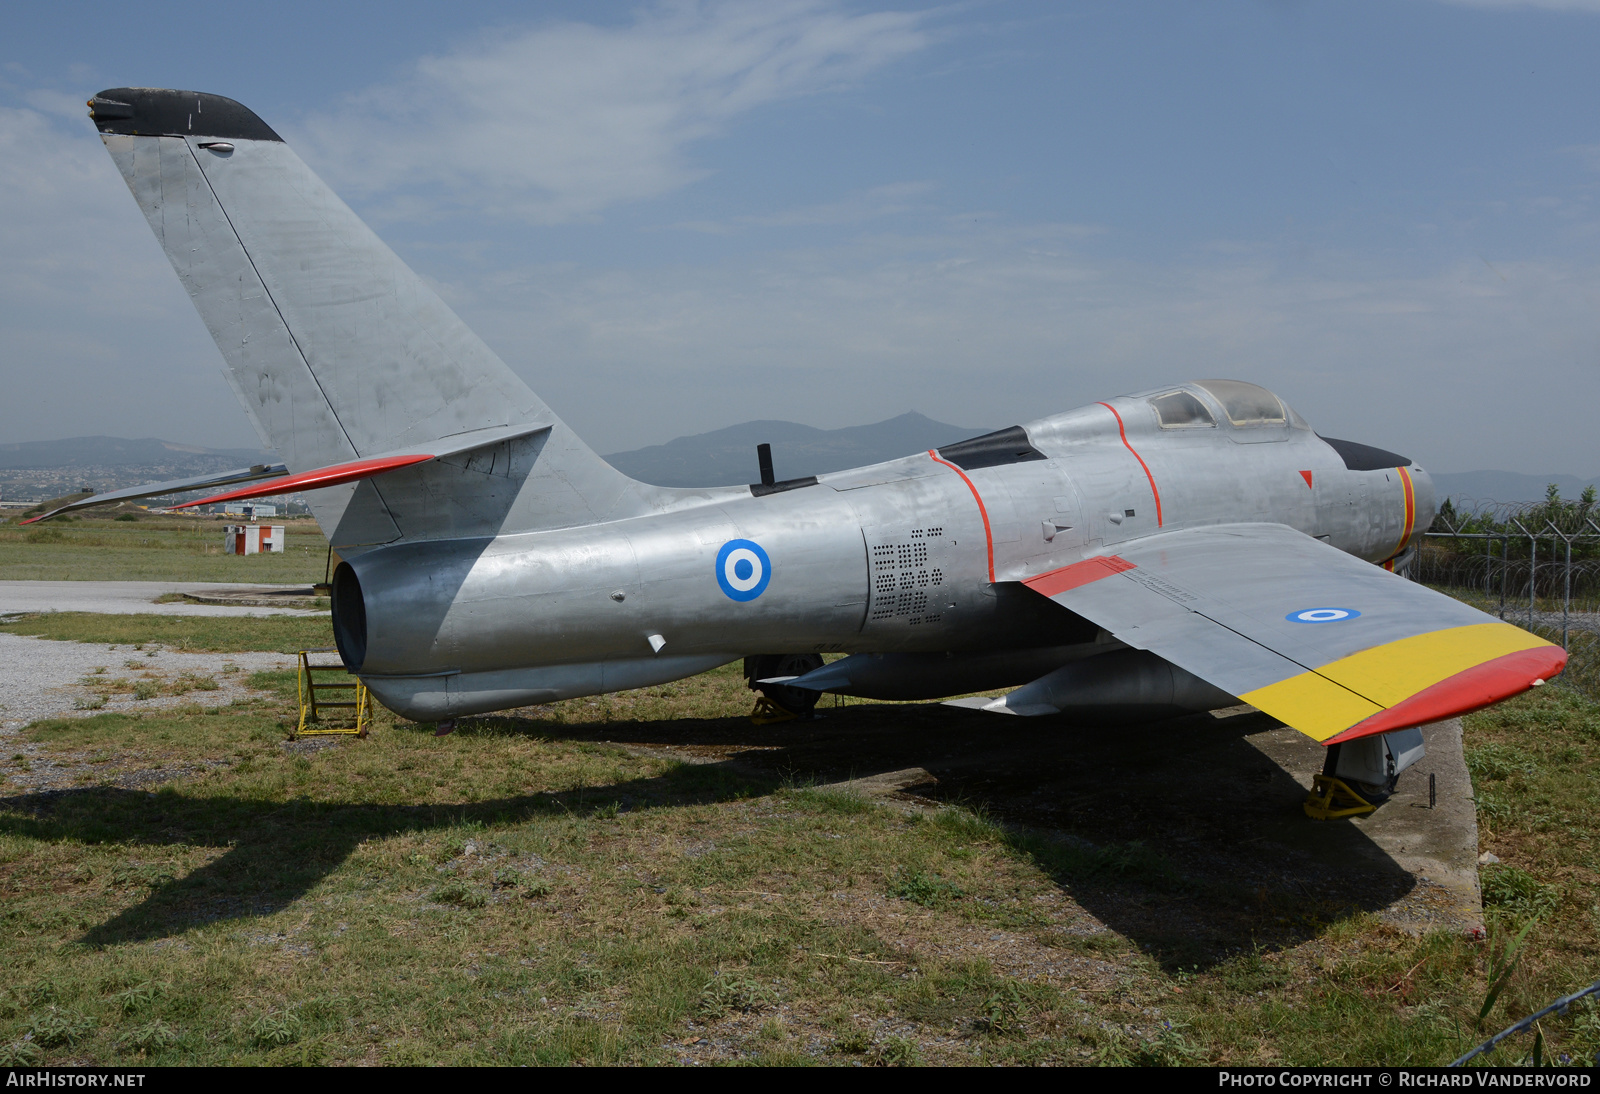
{"points": [[158, 112]]}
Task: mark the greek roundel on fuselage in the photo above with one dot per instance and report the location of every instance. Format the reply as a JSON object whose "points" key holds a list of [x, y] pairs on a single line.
{"points": [[743, 569]]}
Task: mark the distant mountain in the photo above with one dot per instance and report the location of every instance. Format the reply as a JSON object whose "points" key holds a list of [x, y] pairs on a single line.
{"points": [[727, 457], [1467, 487], [116, 452]]}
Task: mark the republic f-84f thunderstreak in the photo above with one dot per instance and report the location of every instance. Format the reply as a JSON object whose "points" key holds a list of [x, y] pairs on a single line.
{"points": [[1178, 550]]}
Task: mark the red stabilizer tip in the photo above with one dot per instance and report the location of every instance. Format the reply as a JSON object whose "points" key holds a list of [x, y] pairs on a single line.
{"points": [[336, 475]]}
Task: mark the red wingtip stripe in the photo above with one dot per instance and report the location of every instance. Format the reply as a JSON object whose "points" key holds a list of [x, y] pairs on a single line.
{"points": [[1123, 433], [1480, 686], [336, 475], [1055, 582]]}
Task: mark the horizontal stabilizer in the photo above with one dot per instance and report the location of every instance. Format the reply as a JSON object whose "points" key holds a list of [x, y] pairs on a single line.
{"points": [[175, 486], [356, 470]]}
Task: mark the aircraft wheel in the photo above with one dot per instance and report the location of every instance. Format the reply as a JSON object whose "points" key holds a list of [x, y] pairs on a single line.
{"points": [[1375, 793], [799, 701]]}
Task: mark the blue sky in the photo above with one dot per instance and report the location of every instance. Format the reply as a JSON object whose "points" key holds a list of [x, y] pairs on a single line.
{"points": [[674, 217]]}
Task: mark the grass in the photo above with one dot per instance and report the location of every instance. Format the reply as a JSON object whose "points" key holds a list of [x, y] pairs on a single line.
{"points": [[214, 634], [477, 898], [154, 548], [527, 891]]}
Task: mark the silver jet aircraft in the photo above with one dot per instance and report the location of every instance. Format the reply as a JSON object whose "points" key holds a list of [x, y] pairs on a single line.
{"points": [[1177, 550]]}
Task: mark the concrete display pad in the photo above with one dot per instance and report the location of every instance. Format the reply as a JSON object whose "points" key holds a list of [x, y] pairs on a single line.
{"points": [[1437, 845]]}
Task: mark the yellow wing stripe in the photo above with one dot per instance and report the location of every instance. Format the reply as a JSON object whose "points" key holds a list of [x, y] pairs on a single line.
{"points": [[1341, 693], [1313, 704]]}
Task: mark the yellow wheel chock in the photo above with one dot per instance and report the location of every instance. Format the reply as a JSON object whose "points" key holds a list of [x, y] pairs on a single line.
{"points": [[766, 712], [312, 707], [1331, 798]]}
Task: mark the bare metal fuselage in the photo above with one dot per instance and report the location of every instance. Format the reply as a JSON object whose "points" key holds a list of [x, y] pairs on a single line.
{"points": [[917, 555]]}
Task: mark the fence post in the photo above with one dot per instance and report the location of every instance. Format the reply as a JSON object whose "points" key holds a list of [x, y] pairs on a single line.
{"points": [[1566, 595], [1533, 568], [1505, 572], [1566, 580]]}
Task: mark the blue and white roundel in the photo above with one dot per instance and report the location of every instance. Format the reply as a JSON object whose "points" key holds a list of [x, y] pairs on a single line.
{"points": [[1322, 615], [743, 569]]}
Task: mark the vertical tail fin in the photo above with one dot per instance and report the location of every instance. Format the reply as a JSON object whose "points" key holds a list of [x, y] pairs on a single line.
{"points": [[336, 349]]}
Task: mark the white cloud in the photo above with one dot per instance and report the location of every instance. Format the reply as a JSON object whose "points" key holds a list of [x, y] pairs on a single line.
{"points": [[879, 201], [557, 123]]}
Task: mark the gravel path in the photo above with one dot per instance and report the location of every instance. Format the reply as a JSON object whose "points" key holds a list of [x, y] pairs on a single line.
{"points": [[44, 679], [122, 598]]}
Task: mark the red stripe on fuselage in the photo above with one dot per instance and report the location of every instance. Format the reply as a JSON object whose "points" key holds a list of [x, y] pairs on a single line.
{"points": [[1152, 479], [988, 535], [1408, 489], [1411, 506], [1053, 582]]}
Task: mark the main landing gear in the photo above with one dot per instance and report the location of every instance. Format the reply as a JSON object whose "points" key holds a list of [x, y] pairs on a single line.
{"points": [[778, 701], [1360, 775]]}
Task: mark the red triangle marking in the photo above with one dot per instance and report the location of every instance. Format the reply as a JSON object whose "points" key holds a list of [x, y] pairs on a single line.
{"points": [[1307, 476]]}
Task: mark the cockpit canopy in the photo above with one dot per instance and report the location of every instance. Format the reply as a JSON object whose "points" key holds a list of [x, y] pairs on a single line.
{"points": [[1180, 410], [1245, 405]]}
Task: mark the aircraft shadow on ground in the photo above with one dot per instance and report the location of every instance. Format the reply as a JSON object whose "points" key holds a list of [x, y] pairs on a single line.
{"points": [[278, 851], [1180, 835]]}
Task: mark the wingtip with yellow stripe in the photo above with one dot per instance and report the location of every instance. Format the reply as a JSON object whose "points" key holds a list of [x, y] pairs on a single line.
{"points": [[1411, 681]]}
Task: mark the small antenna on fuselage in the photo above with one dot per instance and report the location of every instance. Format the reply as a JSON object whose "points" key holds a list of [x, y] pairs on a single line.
{"points": [[764, 457]]}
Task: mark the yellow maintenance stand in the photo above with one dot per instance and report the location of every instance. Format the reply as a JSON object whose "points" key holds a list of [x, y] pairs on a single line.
{"points": [[312, 706]]}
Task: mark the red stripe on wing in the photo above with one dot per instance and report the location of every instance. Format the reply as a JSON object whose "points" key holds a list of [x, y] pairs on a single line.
{"points": [[1052, 582]]}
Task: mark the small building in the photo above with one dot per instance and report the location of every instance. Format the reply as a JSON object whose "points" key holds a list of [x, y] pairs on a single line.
{"points": [[250, 510], [252, 539]]}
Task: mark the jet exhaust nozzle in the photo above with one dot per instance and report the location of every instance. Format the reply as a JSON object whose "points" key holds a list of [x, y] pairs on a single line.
{"points": [[349, 617]]}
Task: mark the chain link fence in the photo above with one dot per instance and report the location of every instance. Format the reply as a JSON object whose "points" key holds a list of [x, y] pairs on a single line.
{"points": [[1535, 565]]}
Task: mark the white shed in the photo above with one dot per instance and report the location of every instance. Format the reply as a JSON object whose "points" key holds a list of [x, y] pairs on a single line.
{"points": [[252, 539]]}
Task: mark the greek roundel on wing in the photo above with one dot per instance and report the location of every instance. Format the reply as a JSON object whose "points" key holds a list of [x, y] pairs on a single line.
{"points": [[743, 569], [1322, 615]]}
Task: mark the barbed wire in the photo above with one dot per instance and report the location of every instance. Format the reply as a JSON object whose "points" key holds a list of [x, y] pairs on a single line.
{"points": [[1559, 1006]]}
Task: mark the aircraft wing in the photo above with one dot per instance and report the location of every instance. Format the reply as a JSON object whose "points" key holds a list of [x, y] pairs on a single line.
{"points": [[1322, 641]]}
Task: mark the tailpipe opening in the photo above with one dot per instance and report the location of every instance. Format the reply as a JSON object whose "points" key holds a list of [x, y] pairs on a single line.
{"points": [[349, 617]]}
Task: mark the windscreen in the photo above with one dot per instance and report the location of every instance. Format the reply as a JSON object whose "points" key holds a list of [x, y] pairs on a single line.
{"points": [[1246, 404]]}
